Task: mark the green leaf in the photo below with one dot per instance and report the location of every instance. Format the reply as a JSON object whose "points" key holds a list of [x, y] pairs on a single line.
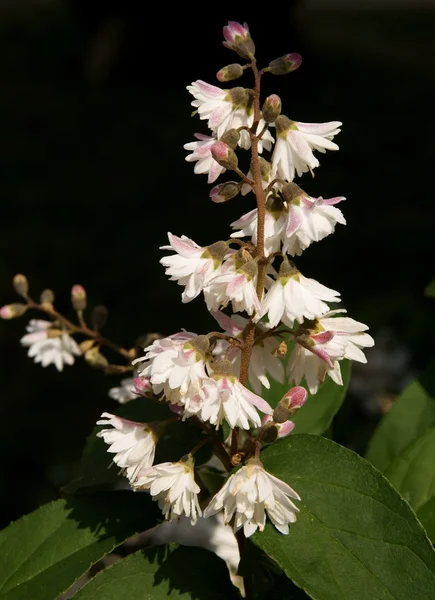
{"points": [[413, 475], [412, 414], [317, 413], [355, 538], [181, 573], [96, 471], [430, 289], [45, 552]]}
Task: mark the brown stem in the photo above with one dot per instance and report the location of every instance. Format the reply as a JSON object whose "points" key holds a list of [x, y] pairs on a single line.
{"points": [[228, 338], [83, 329], [244, 177]]}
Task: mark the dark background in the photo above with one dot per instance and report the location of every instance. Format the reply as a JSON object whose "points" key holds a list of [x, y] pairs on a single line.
{"points": [[93, 118]]}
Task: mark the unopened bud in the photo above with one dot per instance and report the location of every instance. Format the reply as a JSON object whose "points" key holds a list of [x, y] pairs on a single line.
{"points": [[47, 297], [224, 191], [11, 311], [21, 285], [285, 64], [271, 108], [99, 317], [289, 404], [238, 38], [265, 169], [231, 138], [95, 359], [86, 345], [224, 155], [273, 431], [229, 72], [78, 297], [142, 385]]}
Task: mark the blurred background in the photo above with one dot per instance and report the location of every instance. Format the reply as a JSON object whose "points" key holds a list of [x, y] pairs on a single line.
{"points": [[93, 117]]}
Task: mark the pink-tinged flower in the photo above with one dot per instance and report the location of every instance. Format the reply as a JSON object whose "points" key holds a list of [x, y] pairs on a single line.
{"points": [[275, 221], [224, 155], [201, 153], [227, 109], [235, 283], [227, 399], [295, 143], [321, 344], [176, 366], [142, 386], [49, 347], [224, 191], [234, 33], [308, 219], [263, 364], [295, 297], [249, 494], [192, 266], [133, 444], [173, 486]]}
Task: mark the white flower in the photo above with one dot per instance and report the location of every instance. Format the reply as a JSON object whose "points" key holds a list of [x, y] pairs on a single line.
{"points": [[321, 346], [201, 152], [45, 349], [295, 297], [125, 392], [176, 366], [295, 143], [133, 444], [226, 398], [274, 224], [263, 361], [235, 282], [192, 265], [251, 493], [227, 109], [309, 219], [173, 485]]}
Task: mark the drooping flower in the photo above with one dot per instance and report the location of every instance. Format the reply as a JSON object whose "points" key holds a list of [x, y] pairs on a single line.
{"points": [[48, 345], [173, 486], [295, 297], [321, 344], [236, 283], [192, 266], [132, 443], [263, 364], [124, 392], [228, 109], [201, 153], [275, 221], [250, 494], [295, 143], [176, 365], [226, 398]]}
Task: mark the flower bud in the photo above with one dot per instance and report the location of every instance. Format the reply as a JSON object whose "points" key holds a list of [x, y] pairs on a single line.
{"points": [[230, 72], [289, 404], [142, 385], [86, 345], [271, 108], [95, 359], [99, 317], [231, 138], [224, 155], [21, 285], [285, 64], [273, 431], [11, 311], [78, 297], [47, 297], [224, 191], [290, 191], [238, 38]]}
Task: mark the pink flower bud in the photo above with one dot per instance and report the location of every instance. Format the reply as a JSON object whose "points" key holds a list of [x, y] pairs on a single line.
{"points": [[285, 429], [229, 73], [273, 430], [142, 385], [11, 311], [271, 108], [78, 297], [224, 155], [224, 191], [295, 398], [285, 64], [238, 38]]}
